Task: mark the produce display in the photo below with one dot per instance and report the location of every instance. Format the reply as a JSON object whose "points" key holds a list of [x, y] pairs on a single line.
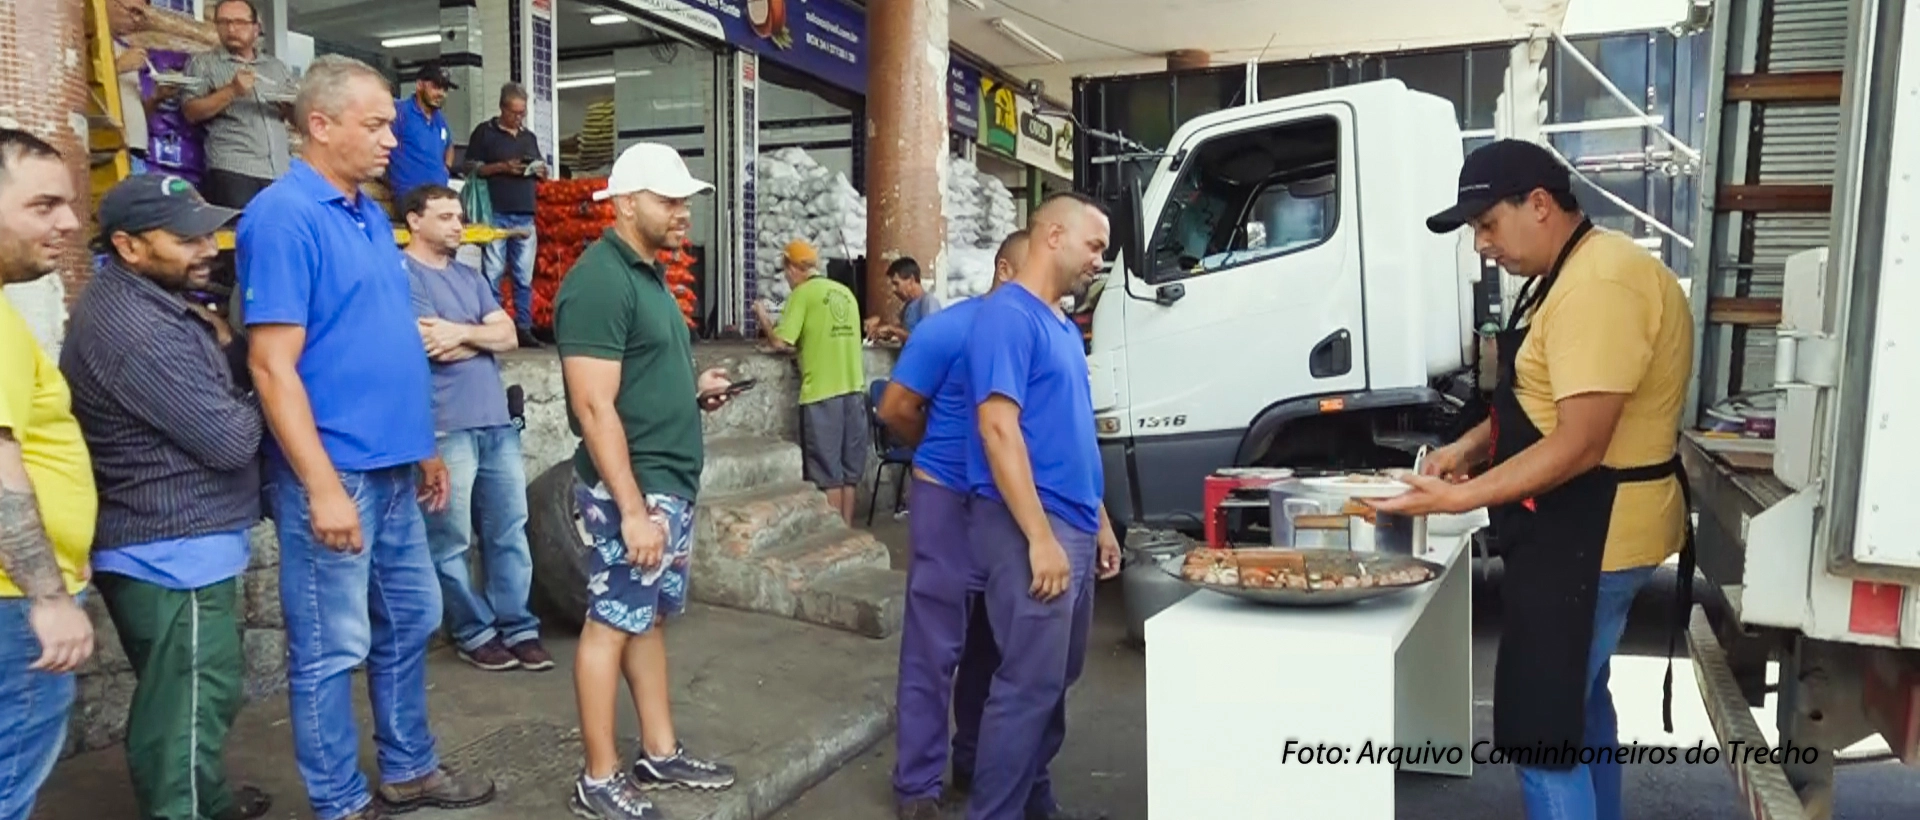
{"points": [[798, 198], [566, 220]]}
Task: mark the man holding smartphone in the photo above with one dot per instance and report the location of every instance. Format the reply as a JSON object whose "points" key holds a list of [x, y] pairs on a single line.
{"points": [[507, 155]]}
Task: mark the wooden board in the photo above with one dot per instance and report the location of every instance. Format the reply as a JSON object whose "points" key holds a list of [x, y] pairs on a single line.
{"points": [[1775, 198], [1787, 86], [1730, 310]]}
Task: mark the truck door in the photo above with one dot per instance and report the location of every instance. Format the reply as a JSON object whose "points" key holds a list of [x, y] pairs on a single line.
{"points": [[1248, 292]]}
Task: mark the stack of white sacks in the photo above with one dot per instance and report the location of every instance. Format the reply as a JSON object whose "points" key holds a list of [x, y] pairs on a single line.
{"points": [[798, 198]]}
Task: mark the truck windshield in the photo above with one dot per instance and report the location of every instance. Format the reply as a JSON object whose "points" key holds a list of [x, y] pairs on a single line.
{"points": [[1249, 196]]}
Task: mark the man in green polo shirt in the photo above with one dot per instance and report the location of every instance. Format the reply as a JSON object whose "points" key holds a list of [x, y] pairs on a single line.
{"points": [[822, 318], [626, 355]]}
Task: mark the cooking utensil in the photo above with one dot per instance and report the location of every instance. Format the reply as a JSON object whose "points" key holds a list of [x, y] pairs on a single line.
{"points": [[1343, 560]]}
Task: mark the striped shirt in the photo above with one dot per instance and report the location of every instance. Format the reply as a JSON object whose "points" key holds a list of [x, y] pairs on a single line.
{"points": [[249, 138], [176, 447]]}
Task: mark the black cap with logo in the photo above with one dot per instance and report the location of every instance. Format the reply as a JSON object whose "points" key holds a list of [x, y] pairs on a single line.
{"points": [[434, 73], [1497, 171], [159, 202]]}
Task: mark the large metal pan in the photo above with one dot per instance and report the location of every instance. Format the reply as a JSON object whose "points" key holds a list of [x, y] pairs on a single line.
{"points": [[1373, 561]]}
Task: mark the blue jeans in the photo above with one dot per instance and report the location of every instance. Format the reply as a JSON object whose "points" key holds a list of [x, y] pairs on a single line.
{"points": [[485, 470], [33, 707], [517, 254], [1592, 791], [379, 607]]}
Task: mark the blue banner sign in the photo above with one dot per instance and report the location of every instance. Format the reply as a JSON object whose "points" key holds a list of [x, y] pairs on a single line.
{"points": [[963, 98], [826, 39]]}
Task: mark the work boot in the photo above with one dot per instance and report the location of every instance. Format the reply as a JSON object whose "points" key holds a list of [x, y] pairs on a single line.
{"points": [[920, 808], [616, 799], [371, 812], [491, 656], [441, 790], [249, 803], [681, 770]]}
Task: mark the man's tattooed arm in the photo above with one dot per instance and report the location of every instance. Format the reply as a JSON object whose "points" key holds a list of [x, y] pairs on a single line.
{"points": [[26, 555]]}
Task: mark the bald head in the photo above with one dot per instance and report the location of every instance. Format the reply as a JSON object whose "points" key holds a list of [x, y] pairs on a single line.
{"points": [[1007, 260], [1067, 246]]}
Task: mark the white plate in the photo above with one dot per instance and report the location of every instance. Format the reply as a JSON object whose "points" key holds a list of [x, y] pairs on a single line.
{"points": [[1343, 486]]}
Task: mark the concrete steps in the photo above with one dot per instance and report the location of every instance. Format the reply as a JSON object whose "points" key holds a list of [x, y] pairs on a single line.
{"points": [[766, 542]]}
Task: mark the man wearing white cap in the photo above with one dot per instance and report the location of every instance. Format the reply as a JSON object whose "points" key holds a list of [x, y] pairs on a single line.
{"points": [[627, 358]]}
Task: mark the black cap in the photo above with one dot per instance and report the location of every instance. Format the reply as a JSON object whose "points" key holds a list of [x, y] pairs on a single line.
{"points": [[159, 202], [434, 73], [1497, 171]]}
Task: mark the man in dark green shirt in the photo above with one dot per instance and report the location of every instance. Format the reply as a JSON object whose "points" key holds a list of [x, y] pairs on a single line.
{"points": [[627, 358]]}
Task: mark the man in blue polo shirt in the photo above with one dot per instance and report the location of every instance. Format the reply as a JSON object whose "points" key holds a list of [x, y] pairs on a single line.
{"points": [[425, 151], [1036, 522], [344, 385], [946, 627]]}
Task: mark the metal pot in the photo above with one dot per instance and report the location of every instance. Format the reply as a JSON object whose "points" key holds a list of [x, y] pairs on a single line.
{"points": [[1305, 515], [1145, 587]]}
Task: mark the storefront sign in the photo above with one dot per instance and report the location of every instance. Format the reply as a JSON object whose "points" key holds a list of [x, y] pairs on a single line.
{"points": [[1046, 141], [1000, 117], [826, 39], [963, 98]]}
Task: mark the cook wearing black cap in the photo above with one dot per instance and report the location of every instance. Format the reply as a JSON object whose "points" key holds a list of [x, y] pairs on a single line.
{"points": [[1576, 464], [175, 447], [425, 149]]}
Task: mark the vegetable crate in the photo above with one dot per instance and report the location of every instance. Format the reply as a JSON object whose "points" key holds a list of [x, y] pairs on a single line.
{"points": [[566, 220]]}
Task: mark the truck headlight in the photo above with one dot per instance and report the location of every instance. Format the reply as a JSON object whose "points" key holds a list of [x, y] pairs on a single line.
{"points": [[1106, 425]]}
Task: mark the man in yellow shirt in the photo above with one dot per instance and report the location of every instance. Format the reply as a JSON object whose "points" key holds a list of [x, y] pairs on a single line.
{"points": [[47, 502], [1585, 489]]}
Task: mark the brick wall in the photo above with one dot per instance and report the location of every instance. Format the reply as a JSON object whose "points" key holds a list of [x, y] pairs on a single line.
{"points": [[43, 89]]}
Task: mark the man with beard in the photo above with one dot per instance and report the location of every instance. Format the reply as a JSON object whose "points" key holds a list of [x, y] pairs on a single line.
{"points": [[626, 355], [176, 456], [946, 629], [344, 383], [425, 151], [47, 500], [1036, 523]]}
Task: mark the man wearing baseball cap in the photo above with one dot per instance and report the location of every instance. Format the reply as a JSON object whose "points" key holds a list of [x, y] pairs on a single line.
{"points": [[822, 319], [626, 358], [176, 456], [425, 149], [1576, 464]]}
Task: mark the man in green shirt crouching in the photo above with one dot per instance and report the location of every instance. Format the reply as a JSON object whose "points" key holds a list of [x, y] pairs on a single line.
{"points": [[823, 320]]}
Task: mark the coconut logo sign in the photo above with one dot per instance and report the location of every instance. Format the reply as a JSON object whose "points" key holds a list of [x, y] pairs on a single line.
{"points": [[824, 38]]}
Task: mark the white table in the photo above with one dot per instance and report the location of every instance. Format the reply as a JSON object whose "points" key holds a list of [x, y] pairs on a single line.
{"points": [[1230, 683]]}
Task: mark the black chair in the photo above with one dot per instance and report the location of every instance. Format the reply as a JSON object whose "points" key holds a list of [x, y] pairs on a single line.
{"points": [[891, 453]]}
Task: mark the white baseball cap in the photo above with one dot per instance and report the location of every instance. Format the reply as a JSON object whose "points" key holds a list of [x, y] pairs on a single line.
{"points": [[650, 166]]}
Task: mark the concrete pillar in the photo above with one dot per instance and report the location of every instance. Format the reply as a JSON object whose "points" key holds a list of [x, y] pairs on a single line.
{"points": [[906, 141], [1188, 58], [43, 90], [460, 53]]}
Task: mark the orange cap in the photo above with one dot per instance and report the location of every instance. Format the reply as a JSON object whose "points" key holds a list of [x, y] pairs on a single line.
{"points": [[799, 252]]}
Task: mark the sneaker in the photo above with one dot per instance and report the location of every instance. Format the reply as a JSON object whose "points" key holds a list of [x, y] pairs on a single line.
{"points": [[615, 799], [527, 341], [249, 803], [371, 812], [532, 656], [441, 790], [492, 656], [920, 809], [681, 771]]}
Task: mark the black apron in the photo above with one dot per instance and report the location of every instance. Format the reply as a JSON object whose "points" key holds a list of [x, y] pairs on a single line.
{"points": [[1552, 546]]}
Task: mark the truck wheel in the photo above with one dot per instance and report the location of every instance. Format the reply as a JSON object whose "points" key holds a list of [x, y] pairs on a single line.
{"points": [[553, 534]]}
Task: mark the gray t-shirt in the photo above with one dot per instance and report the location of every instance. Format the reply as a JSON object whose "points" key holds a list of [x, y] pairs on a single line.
{"points": [[467, 394]]}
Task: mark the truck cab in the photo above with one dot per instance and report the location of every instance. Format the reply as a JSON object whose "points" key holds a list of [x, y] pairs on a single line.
{"points": [[1278, 299]]}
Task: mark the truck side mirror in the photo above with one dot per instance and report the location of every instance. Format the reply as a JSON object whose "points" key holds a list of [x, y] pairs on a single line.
{"points": [[1166, 295], [1129, 232]]}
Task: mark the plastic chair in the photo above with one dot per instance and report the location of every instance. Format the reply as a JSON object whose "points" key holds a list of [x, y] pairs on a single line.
{"points": [[891, 454]]}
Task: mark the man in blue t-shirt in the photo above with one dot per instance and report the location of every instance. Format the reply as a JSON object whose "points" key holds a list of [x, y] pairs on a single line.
{"points": [[926, 404], [425, 149], [344, 385], [1036, 523]]}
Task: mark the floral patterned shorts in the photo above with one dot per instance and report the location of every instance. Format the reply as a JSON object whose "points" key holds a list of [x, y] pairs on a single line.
{"points": [[619, 594]]}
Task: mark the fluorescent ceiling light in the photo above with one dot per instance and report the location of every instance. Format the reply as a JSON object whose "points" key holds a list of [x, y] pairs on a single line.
{"points": [[607, 19], [973, 4], [583, 82], [1026, 41], [411, 40]]}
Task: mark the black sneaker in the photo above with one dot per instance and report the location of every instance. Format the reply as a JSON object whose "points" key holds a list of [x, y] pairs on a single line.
{"points": [[680, 771], [527, 341], [615, 799], [491, 656]]}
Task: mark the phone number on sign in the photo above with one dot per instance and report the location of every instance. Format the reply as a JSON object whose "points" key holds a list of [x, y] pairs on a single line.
{"points": [[1485, 753]]}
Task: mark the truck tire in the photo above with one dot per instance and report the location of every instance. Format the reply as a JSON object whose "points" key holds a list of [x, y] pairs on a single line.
{"points": [[553, 535]]}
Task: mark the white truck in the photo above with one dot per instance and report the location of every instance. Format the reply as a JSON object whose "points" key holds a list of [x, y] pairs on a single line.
{"points": [[1280, 301]]}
